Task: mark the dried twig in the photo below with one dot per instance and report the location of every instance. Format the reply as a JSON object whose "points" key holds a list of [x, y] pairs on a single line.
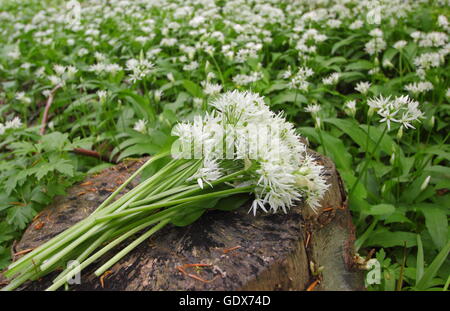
{"points": [[227, 250], [183, 267], [47, 108], [102, 278], [94, 154], [312, 286]]}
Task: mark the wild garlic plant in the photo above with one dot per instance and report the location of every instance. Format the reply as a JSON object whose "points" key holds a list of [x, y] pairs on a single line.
{"points": [[120, 74], [262, 155]]}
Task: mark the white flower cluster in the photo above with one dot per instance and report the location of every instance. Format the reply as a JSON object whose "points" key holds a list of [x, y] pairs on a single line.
{"points": [[419, 87], [400, 109], [139, 68], [12, 124], [275, 160], [298, 81], [332, 79]]}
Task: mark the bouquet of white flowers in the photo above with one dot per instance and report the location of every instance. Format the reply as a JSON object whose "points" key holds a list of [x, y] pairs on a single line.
{"points": [[240, 147]]}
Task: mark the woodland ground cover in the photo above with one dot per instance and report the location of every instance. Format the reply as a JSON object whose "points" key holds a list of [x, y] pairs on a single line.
{"points": [[367, 82]]}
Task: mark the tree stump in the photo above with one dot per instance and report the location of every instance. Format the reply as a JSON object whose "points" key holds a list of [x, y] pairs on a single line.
{"points": [[266, 252]]}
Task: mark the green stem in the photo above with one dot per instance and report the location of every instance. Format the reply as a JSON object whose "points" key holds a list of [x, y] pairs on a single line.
{"points": [[175, 202], [366, 164], [130, 247], [104, 250], [121, 187]]}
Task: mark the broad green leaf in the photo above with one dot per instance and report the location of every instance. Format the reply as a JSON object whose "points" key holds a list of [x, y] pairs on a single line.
{"points": [[427, 278], [289, 97], [54, 141], [64, 167], [420, 263], [352, 129], [334, 146], [190, 212], [138, 150], [381, 209], [359, 65], [390, 239], [437, 224], [342, 43], [232, 202], [20, 216], [194, 89]]}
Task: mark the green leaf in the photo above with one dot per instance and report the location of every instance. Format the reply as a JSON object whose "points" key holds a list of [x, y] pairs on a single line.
{"points": [[352, 129], [194, 89], [420, 264], [22, 147], [387, 144], [54, 141], [335, 146], [64, 167], [20, 216], [42, 169], [190, 212], [381, 209], [351, 76], [139, 149], [427, 278], [390, 239], [289, 97], [359, 65], [437, 224], [389, 54], [232, 202], [342, 43]]}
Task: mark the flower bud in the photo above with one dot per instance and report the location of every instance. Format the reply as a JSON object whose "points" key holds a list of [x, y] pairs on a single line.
{"points": [[425, 183], [317, 119], [392, 159], [400, 133]]}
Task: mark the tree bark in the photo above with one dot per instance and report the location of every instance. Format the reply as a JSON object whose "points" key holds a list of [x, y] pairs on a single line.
{"points": [[243, 252]]}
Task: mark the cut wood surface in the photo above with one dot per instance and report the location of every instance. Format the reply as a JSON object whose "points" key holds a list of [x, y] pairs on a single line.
{"points": [[220, 251]]}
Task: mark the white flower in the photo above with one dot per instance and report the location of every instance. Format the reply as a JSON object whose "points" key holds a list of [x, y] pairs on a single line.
{"points": [[331, 79], [102, 95], [400, 44], [192, 66], [442, 21], [242, 79], [356, 24], [376, 33], [375, 45], [59, 69], [298, 81], [419, 87], [20, 96], [277, 164], [313, 108], [209, 172], [211, 88], [139, 69], [12, 124], [350, 106], [401, 109], [428, 60], [140, 126], [362, 87]]}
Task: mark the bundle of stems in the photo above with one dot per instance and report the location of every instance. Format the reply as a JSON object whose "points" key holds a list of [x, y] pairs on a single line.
{"points": [[151, 205], [267, 160]]}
